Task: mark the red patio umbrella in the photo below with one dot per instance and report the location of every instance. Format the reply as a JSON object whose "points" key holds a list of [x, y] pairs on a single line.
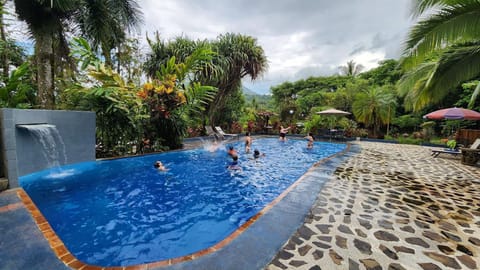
{"points": [[454, 114]]}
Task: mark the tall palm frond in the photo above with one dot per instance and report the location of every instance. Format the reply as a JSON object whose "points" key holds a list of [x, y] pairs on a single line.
{"points": [[430, 82], [105, 23], [457, 65], [421, 6], [457, 22], [410, 78]]}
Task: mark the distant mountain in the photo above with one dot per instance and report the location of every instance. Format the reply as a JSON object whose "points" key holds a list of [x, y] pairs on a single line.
{"points": [[248, 92]]}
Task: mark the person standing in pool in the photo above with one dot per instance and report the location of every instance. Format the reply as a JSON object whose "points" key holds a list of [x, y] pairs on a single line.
{"points": [[234, 164], [232, 152], [283, 133], [248, 142], [310, 140]]}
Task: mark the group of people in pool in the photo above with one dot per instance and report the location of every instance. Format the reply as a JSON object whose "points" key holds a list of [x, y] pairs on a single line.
{"points": [[283, 137], [248, 145], [234, 154]]}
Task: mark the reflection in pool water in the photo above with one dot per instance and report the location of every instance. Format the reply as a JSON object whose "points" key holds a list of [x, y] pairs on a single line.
{"points": [[125, 212]]}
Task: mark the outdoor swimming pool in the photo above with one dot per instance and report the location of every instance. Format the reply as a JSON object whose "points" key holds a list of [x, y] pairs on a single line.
{"points": [[125, 212]]}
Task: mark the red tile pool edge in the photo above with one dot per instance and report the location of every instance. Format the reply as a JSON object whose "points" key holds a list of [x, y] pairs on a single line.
{"points": [[71, 261]]}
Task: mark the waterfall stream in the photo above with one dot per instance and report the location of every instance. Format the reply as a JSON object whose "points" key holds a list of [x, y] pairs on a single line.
{"points": [[51, 141]]}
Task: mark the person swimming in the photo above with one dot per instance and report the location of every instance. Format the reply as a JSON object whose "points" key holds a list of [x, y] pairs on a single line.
{"points": [[159, 165], [257, 154], [234, 164]]}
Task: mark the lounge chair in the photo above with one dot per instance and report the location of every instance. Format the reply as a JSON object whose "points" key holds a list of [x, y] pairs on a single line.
{"points": [[449, 151], [471, 155], [223, 134], [211, 133]]}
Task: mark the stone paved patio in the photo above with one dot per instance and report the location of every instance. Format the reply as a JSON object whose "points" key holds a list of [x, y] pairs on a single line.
{"points": [[391, 207]]}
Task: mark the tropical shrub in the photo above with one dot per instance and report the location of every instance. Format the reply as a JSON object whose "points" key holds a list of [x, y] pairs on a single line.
{"points": [[174, 96]]}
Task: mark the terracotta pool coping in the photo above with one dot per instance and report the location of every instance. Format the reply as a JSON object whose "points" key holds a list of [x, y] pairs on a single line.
{"points": [[64, 255]]}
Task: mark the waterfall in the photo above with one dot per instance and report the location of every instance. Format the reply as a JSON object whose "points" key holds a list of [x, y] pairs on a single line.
{"points": [[51, 141]]}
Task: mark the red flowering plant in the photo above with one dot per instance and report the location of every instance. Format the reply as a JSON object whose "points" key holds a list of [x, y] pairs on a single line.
{"points": [[162, 96], [174, 95]]}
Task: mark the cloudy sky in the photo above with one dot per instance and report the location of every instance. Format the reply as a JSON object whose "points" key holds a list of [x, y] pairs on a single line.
{"points": [[301, 38]]}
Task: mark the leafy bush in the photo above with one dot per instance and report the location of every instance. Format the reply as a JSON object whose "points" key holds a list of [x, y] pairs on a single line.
{"points": [[409, 140], [358, 132]]}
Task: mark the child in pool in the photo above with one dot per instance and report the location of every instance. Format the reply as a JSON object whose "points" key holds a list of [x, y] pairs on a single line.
{"points": [[248, 142], [234, 164], [310, 140], [159, 165], [257, 154]]}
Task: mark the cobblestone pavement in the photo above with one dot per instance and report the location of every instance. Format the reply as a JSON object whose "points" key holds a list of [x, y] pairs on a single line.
{"points": [[391, 207]]}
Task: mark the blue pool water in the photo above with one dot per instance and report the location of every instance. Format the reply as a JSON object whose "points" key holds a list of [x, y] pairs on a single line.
{"points": [[125, 212]]}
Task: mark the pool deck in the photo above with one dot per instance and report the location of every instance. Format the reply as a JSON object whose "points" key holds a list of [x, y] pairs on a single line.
{"points": [[378, 206]]}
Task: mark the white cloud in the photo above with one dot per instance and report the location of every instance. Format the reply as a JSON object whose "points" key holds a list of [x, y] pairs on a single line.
{"points": [[301, 38]]}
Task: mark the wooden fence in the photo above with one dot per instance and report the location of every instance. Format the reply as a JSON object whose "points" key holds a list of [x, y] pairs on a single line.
{"points": [[467, 136]]}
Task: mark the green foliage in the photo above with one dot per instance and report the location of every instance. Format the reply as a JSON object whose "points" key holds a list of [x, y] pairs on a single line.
{"points": [[175, 98], [238, 56], [235, 56], [451, 144], [119, 110], [18, 91], [14, 54], [409, 140], [83, 53], [388, 72], [374, 107], [442, 51], [407, 122], [303, 95], [103, 23], [233, 109]]}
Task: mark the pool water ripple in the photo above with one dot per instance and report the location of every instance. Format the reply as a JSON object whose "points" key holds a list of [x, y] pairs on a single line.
{"points": [[124, 212]]}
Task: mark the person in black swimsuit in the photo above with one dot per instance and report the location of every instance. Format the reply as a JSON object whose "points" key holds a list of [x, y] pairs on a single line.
{"points": [[283, 133]]}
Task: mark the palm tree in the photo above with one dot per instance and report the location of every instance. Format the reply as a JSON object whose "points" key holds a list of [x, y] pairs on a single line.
{"points": [[49, 21], [161, 52], [104, 23], [374, 107], [351, 69], [238, 56], [442, 50]]}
